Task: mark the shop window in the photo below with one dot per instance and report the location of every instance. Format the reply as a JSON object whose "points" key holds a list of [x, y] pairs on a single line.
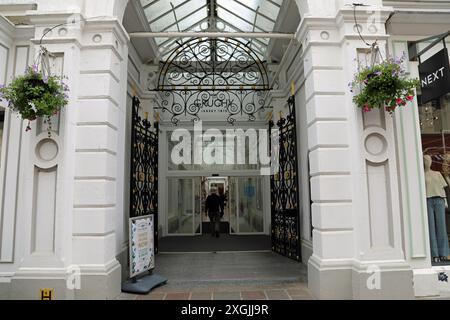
{"points": [[247, 150], [435, 132]]}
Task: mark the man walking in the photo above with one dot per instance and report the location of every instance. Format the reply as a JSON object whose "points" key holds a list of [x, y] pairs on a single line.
{"points": [[213, 208]]}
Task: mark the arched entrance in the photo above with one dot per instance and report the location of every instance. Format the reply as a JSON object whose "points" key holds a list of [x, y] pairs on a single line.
{"points": [[224, 81]]}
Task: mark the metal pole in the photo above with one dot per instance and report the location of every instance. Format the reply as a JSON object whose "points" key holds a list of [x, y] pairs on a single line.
{"points": [[439, 38], [273, 35]]}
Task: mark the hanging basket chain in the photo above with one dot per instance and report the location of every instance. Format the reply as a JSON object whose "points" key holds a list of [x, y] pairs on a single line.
{"points": [[375, 53], [374, 47], [43, 61], [383, 84], [38, 93], [43, 64], [355, 5]]}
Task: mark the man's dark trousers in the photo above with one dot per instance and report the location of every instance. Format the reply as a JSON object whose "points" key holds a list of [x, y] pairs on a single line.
{"points": [[214, 217]]}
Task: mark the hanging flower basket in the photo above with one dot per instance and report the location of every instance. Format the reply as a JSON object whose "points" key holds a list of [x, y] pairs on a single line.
{"points": [[36, 94], [383, 85]]}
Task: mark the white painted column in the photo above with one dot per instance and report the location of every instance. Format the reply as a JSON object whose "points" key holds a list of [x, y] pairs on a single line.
{"points": [[355, 211], [44, 225], [100, 150], [15, 51], [99, 155], [72, 197]]}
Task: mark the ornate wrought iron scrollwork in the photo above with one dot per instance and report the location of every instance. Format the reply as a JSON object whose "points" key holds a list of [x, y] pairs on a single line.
{"points": [[204, 74], [284, 189], [144, 168]]}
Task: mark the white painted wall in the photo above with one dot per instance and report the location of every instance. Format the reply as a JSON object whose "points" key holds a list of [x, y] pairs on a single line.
{"points": [[17, 52]]}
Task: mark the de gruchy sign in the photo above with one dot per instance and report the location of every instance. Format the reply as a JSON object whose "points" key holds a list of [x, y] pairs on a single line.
{"points": [[435, 76]]}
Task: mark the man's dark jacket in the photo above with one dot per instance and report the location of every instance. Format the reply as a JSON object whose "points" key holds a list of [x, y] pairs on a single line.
{"points": [[213, 204]]}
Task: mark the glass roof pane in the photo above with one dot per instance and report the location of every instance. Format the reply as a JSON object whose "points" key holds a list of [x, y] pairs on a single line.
{"points": [[192, 15], [269, 10], [193, 19], [265, 7], [189, 8], [163, 23], [172, 28], [279, 2], [234, 6], [264, 24], [261, 41], [238, 23], [157, 9], [146, 2], [160, 40]]}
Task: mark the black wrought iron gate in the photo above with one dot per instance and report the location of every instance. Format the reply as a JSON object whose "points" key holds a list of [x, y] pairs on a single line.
{"points": [[144, 168], [284, 188]]}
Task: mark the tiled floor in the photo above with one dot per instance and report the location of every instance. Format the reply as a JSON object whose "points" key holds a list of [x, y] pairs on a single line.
{"points": [[289, 291], [228, 276], [229, 267]]}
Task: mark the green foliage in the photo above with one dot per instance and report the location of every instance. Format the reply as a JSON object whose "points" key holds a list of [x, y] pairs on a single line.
{"points": [[384, 85], [33, 96]]}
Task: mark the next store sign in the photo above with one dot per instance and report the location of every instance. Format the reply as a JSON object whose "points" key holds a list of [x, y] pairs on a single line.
{"points": [[434, 76]]}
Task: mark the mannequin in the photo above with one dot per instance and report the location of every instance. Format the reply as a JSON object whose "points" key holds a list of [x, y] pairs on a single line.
{"points": [[436, 199]]}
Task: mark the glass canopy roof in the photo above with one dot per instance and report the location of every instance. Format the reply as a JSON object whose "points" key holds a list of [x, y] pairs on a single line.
{"points": [[211, 15]]}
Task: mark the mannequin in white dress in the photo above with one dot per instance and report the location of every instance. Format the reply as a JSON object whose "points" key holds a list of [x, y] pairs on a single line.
{"points": [[435, 184]]}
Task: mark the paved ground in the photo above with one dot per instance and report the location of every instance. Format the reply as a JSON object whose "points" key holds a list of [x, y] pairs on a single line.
{"points": [[286, 291], [229, 268], [228, 276]]}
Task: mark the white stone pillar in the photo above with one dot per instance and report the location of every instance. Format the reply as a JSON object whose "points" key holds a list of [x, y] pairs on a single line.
{"points": [[99, 156], [15, 54], [74, 180], [355, 211]]}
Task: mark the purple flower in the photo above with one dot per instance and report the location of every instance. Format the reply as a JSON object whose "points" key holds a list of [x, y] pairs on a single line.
{"points": [[400, 59], [35, 68]]}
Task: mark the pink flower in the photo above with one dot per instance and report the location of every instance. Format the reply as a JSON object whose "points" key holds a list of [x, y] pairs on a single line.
{"points": [[410, 98], [366, 108], [390, 109], [400, 101]]}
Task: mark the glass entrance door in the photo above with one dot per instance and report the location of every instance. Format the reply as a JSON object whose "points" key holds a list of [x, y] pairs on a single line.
{"points": [[184, 206], [246, 205]]}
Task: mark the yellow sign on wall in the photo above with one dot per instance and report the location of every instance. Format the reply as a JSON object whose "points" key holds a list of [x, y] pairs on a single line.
{"points": [[46, 294]]}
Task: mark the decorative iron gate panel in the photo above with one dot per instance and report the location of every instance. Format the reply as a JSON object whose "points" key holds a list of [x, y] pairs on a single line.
{"points": [[144, 168], [284, 189], [203, 74]]}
